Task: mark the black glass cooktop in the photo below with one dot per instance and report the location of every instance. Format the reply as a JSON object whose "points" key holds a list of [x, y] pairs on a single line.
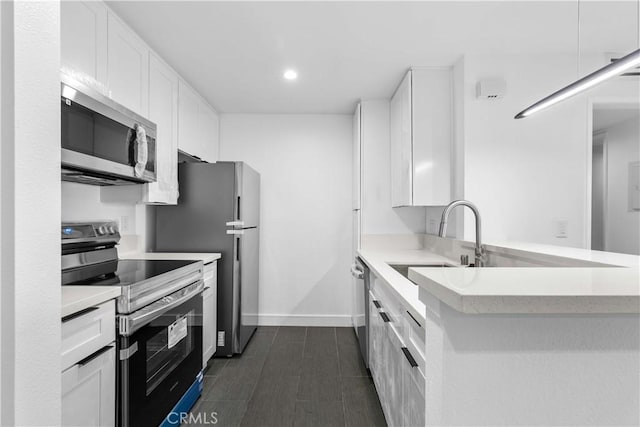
{"points": [[126, 272]]}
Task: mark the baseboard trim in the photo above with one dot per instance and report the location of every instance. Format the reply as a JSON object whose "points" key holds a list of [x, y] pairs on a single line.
{"points": [[304, 320]]}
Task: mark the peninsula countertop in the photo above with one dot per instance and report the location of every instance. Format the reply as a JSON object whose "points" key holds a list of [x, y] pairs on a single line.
{"points": [[591, 288]]}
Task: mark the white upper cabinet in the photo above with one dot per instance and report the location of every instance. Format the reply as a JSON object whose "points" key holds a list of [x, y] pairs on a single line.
{"points": [[163, 111], [128, 67], [357, 159], [421, 139], [198, 125], [83, 35], [401, 144]]}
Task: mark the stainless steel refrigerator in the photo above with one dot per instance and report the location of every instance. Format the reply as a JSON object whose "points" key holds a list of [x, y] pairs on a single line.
{"points": [[219, 211]]}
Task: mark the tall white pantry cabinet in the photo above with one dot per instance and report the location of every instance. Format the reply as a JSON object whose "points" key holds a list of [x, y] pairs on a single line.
{"points": [[100, 48]]}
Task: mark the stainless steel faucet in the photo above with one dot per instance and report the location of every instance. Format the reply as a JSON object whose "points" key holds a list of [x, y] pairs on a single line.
{"points": [[479, 262]]}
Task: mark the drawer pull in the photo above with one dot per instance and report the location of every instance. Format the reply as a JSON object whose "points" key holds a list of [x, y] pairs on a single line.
{"points": [[409, 357], [385, 317], [88, 359], [79, 313], [414, 319], [377, 303]]}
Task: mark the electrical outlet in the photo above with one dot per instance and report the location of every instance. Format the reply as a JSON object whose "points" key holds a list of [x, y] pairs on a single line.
{"points": [[561, 228], [125, 224], [433, 226]]}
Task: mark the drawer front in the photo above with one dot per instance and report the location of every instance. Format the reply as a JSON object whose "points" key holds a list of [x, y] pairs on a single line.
{"points": [[391, 305], [85, 334], [89, 391], [415, 336], [210, 273]]}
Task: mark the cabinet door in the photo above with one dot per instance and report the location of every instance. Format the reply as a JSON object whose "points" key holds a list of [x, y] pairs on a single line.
{"points": [[128, 59], [89, 391], [357, 159], [188, 111], [413, 393], [393, 373], [163, 111], [207, 324], [432, 136], [375, 345], [83, 38], [401, 145]]}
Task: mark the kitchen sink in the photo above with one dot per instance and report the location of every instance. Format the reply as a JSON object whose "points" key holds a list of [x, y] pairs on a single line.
{"points": [[404, 268]]}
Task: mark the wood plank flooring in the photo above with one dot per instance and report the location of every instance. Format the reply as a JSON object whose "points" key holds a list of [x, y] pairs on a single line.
{"points": [[291, 376]]}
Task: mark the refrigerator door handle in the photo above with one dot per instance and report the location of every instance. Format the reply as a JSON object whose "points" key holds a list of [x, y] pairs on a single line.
{"points": [[235, 231], [235, 224]]}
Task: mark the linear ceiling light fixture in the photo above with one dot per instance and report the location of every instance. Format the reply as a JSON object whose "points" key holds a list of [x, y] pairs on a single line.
{"points": [[605, 73]]}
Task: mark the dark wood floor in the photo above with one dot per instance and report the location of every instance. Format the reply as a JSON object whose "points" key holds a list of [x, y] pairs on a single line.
{"points": [[291, 376]]}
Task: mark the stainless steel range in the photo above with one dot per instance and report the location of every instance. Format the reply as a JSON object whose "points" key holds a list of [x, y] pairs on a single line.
{"points": [[159, 321]]}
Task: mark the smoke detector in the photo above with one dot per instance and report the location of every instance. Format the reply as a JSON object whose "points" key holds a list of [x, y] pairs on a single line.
{"points": [[490, 89]]}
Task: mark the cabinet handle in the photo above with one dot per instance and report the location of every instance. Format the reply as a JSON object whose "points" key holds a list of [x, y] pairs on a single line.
{"points": [[414, 319], [88, 359], [385, 317], [377, 304], [79, 313], [409, 357]]}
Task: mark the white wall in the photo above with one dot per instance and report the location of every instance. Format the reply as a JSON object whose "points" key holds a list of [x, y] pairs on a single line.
{"points": [[30, 215], [526, 174], [81, 202], [305, 238], [622, 232]]}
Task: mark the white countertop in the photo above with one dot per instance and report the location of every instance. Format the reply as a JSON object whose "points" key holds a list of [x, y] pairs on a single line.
{"points": [[534, 289], [205, 257], [78, 298], [516, 289]]}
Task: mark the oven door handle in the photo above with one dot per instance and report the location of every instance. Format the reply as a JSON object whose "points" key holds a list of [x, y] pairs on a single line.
{"points": [[130, 323]]}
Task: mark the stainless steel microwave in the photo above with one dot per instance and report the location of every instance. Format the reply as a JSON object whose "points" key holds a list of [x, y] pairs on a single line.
{"points": [[104, 143]]}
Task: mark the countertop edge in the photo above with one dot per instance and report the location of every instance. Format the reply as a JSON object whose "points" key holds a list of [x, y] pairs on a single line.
{"points": [[527, 304], [78, 298], [205, 257]]}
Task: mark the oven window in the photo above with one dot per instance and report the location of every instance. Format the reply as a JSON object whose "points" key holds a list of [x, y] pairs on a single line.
{"points": [[164, 354]]}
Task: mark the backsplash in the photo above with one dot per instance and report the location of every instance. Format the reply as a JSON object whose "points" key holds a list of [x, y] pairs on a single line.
{"points": [[89, 203]]}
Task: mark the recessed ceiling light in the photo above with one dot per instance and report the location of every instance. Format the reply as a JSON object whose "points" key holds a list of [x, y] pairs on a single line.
{"points": [[290, 75]]}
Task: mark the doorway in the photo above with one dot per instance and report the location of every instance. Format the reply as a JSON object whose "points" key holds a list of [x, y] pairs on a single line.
{"points": [[615, 213]]}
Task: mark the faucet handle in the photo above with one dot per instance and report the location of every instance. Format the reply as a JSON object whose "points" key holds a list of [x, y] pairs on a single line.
{"points": [[464, 259]]}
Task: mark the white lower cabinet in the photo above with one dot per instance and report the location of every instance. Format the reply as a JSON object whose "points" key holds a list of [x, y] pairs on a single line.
{"points": [[89, 367], [413, 396], [89, 391], [375, 344], [209, 311], [396, 363]]}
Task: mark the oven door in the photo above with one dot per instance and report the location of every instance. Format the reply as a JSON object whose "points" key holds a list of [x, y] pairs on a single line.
{"points": [[161, 358]]}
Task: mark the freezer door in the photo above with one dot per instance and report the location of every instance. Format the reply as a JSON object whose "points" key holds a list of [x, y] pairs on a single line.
{"points": [[198, 222], [246, 268], [247, 209]]}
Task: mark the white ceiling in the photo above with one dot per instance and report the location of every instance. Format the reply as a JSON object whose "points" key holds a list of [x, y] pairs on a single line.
{"points": [[235, 52]]}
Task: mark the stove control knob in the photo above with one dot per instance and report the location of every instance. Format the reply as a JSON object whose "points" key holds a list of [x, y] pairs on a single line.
{"points": [[112, 229], [101, 230]]}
